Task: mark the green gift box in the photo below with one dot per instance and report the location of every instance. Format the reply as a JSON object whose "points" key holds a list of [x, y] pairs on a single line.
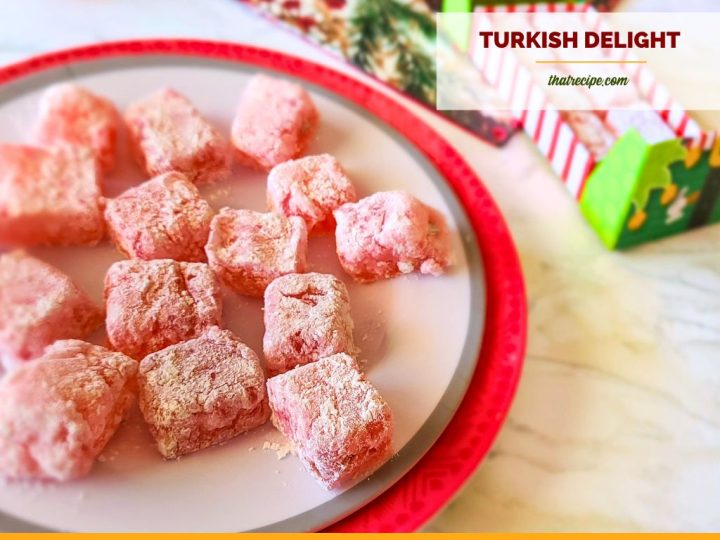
{"points": [[659, 176]]}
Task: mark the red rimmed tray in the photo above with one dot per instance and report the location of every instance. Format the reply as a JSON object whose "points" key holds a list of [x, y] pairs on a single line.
{"points": [[452, 459]]}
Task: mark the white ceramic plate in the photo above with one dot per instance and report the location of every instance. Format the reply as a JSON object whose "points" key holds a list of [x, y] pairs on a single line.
{"points": [[419, 335]]}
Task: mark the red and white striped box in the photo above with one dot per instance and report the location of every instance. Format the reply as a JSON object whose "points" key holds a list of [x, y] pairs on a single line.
{"points": [[548, 127]]}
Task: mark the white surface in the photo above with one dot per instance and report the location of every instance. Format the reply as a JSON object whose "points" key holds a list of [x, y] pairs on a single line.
{"points": [[233, 487], [617, 421]]}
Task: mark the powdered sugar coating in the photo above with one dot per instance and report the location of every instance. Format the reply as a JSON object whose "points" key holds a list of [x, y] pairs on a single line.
{"points": [[339, 424], [310, 188], [169, 134], [163, 218], [249, 249], [391, 233], [49, 198], [72, 115], [202, 392], [39, 305], [60, 411], [154, 304], [307, 317], [275, 121]]}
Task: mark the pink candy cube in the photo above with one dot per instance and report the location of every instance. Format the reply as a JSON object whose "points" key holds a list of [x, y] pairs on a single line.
{"points": [[60, 411], [169, 134], [202, 392], [50, 198], [248, 249], [71, 115], [339, 425], [307, 317], [311, 188], [154, 304], [38, 305], [388, 234], [275, 121], [163, 218]]}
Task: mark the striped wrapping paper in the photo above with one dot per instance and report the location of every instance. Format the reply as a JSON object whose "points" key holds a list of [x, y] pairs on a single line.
{"points": [[468, 5], [639, 166], [567, 154]]}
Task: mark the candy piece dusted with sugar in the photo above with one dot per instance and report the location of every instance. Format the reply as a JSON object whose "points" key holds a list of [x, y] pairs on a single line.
{"points": [[163, 218], [339, 425], [154, 304], [71, 115], [39, 305], [168, 133], [388, 234], [202, 392], [310, 188], [49, 198], [275, 121], [307, 317], [248, 249], [60, 411]]}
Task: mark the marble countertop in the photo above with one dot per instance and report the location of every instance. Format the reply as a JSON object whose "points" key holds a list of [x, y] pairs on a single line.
{"points": [[616, 425]]}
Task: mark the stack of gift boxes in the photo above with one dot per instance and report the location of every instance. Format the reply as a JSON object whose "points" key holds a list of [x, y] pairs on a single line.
{"points": [[640, 167]]}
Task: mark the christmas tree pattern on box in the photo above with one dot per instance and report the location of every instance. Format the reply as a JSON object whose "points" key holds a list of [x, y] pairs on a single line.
{"points": [[676, 191]]}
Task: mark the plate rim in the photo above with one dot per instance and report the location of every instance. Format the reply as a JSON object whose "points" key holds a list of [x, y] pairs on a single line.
{"points": [[447, 465]]}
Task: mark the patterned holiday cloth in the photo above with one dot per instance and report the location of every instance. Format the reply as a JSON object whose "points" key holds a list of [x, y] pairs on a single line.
{"points": [[392, 40]]}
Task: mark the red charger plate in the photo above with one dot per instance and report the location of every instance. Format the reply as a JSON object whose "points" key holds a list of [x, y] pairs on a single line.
{"points": [[443, 470]]}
